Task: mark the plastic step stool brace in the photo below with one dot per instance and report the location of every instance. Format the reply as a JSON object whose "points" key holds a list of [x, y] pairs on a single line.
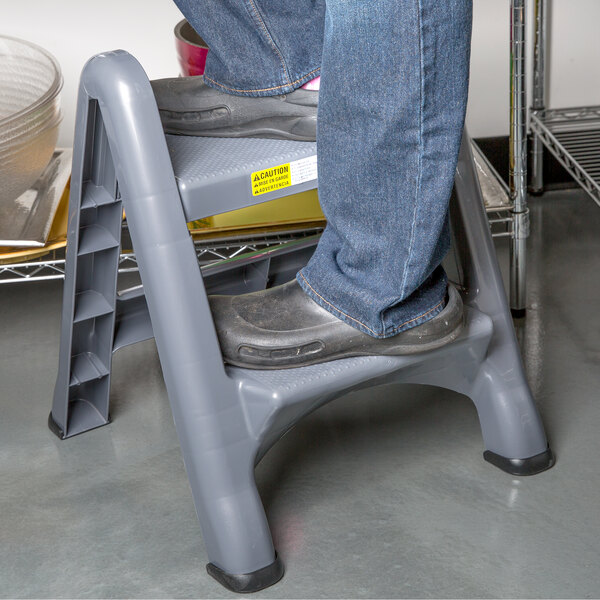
{"points": [[226, 417]]}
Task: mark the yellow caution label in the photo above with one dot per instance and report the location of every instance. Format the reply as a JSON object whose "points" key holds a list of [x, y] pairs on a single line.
{"points": [[271, 179], [281, 176]]}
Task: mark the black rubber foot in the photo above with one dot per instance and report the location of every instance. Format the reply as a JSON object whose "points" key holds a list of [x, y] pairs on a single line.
{"points": [[518, 313], [248, 582], [533, 192], [54, 428], [521, 466]]}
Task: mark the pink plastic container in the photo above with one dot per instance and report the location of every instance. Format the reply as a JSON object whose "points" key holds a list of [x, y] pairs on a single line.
{"points": [[191, 49]]}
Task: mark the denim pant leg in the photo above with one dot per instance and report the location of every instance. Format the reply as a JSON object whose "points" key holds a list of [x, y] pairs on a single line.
{"points": [[394, 80], [258, 47]]}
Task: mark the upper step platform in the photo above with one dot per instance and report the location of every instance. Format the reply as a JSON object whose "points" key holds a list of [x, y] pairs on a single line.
{"points": [[215, 175]]}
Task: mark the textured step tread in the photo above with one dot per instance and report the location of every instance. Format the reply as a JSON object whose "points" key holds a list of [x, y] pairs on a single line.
{"points": [[209, 169]]}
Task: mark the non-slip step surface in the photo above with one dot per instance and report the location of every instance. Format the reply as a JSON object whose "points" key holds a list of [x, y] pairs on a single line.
{"points": [[95, 238], [86, 367], [198, 159], [208, 169], [90, 304]]}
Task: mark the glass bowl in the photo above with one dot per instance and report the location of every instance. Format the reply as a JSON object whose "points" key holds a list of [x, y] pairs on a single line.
{"points": [[30, 83]]}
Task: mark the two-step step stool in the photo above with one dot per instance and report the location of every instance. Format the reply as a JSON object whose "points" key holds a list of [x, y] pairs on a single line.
{"points": [[226, 417]]}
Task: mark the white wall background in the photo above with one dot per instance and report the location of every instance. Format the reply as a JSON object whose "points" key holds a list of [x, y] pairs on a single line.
{"points": [[74, 30], [573, 73]]}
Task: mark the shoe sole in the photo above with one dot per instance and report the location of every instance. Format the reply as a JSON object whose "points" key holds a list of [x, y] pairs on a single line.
{"points": [[297, 129], [402, 348]]}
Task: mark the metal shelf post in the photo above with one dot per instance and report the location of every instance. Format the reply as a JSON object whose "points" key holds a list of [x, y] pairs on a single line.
{"points": [[539, 93], [518, 160]]}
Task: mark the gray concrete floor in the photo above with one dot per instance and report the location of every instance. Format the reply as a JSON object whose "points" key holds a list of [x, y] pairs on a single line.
{"points": [[383, 493]]}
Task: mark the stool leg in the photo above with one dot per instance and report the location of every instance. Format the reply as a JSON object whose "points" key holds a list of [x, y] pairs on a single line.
{"points": [[217, 447], [219, 459], [234, 526], [512, 429]]}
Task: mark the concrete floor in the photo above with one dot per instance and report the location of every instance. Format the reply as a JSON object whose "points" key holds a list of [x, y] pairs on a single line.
{"points": [[383, 493]]}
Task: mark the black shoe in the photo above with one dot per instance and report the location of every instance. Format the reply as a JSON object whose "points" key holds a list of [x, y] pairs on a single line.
{"points": [[187, 106], [282, 327]]}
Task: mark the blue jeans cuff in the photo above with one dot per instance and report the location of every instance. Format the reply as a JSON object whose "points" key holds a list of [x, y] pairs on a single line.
{"points": [[266, 90], [391, 330]]}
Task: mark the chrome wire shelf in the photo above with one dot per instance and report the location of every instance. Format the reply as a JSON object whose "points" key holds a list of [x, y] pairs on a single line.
{"points": [[208, 252], [573, 137], [225, 248], [498, 206], [496, 195], [494, 190], [35, 270]]}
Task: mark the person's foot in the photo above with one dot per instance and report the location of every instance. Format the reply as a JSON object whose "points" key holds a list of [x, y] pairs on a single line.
{"points": [[187, 106], [282, 327]]}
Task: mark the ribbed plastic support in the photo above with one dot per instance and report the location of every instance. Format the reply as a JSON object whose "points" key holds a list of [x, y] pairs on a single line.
{"points": [[81, 395]]}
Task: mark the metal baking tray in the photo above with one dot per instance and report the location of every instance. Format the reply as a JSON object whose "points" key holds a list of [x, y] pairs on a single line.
{"points": [[26, 222]]}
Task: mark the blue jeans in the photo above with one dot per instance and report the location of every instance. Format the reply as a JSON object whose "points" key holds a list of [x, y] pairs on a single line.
{"points": [[394, 80]]}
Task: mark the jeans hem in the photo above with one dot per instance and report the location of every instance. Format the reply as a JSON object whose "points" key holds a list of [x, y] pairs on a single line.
{"points": [[388, 332], [274, 90]]}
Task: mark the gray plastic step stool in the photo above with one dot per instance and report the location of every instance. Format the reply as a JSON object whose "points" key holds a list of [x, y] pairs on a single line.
{"points": [[227, 418]]}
